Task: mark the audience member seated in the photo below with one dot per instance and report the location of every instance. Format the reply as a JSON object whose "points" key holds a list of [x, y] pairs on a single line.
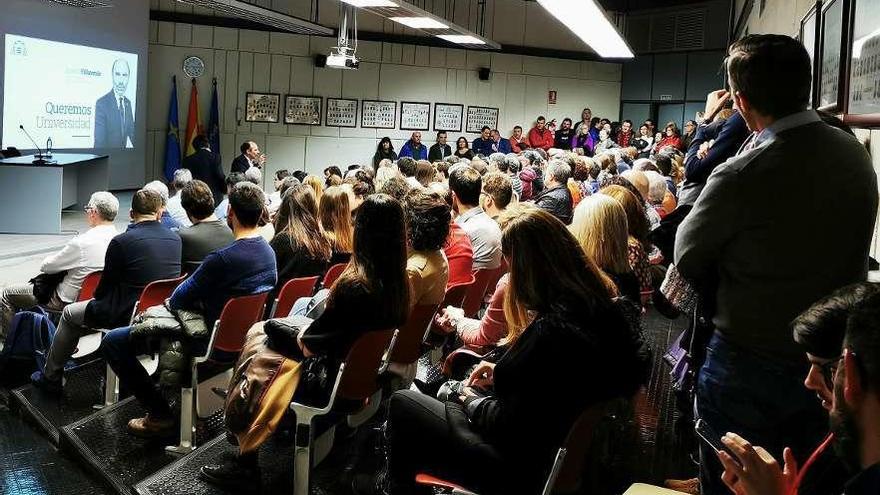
{"points": [[182, 177], [487, 438], [301, 248], [496, 194], [245, 267], [637, 225], [384, 151], [165, 217], [144, 253], [79, 257], [600, 227], [231, 180], [273, 201], [329, 174], [500, 144], [492, 327], [205, 165], [644, 142], [840, 335], [540, 136], [582, 142], [671, 138], [564, 136], [605, 143], [427, 221], [687, 136], [414, 148], [207, 233], [462, 150], [586, 117], [625, 135], [334, 211], [482, 146], [457, 246], [407, 167], [519, 142], [424, 173], [466, 185], [396, 187], [372, 293], [556, 199], [659, 196]]}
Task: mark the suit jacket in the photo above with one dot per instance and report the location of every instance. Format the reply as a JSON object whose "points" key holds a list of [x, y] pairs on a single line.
{"points": [[240, 164], [767, 239], [438, 152], [144, 253], [729, 135], [205, 166], [110, 132]]}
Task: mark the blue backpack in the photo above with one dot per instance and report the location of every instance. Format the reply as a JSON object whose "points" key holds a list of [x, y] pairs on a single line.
{"points": [[30, 337]]}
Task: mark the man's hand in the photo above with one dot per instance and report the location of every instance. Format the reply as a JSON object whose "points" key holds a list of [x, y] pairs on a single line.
{"points": [[703, 152], [483, 376], [714, 103], [758, 472]]}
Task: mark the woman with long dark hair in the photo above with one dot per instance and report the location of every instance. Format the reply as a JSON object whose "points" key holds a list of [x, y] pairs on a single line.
{"points": [[384, 150], [462, 149], [301, 250], [570, 347], [371, 294]]}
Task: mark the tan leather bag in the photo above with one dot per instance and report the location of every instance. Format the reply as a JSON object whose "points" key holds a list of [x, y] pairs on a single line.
{"points": [[260, 392]]}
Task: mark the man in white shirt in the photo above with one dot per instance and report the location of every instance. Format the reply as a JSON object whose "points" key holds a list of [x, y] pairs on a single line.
{"points": [[467, 186], [182, 177], [81, 256]]}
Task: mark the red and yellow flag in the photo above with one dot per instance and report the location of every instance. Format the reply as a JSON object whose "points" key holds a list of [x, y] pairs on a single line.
{"points": [[193, 119]]}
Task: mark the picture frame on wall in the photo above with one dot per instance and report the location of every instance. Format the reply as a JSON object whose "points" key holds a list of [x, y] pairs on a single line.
{"points": [[809, 37], [477, 117], [863, 92], [415, 116], [378, 114], [832, 62], [303, 110], [262, 107], [341, 112], [448, 116]]}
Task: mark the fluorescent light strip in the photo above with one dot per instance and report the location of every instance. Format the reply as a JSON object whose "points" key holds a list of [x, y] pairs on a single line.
{"points": [[461, 39], [419, 22], [590, 25], [370, 3]]}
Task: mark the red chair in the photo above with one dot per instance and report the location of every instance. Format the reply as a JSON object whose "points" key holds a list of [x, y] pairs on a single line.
{"points": [[356, 381], [290, 292], [494, 277], [408, 347], [228, 335], [154, 294], [89, 284], [570, 464], [332, 274], [473, 298]]}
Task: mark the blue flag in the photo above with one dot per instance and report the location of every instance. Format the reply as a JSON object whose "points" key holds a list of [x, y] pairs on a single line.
{"points": [[172, 140], [214, 122]]}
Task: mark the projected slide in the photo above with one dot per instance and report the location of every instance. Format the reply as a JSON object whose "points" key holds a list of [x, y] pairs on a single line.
{"points": [[79, 96]]}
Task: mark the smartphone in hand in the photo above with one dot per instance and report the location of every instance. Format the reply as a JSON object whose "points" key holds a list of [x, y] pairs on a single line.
{"points": [[708, 435]]}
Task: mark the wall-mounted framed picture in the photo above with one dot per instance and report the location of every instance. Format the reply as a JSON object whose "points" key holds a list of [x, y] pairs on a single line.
{"points": [[378, 114], [262, 107], [341, 112], [447, 117], [863, 98], [303, 110], [415, 116], [477, 117], [809, 37], [831, 82]]}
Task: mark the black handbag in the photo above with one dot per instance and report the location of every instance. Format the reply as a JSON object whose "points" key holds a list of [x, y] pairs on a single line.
{"points": [[45, 285]]}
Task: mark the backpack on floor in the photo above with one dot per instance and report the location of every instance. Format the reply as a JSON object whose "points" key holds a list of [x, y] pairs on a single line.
{"points": [[30, 337]]}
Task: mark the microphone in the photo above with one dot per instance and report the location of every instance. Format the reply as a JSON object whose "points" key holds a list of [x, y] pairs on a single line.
{"points": [[39, 156]]}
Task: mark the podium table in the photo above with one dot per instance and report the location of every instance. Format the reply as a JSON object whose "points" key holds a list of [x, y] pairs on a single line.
{"points": [[32, 196]]}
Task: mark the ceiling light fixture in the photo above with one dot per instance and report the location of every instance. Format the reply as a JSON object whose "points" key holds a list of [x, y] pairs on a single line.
{"points": [[461, 39], [591, 25], [420, 22], [370, 3]]}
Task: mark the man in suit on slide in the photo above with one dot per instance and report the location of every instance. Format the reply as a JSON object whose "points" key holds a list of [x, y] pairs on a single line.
{"points": [[114, 119]]}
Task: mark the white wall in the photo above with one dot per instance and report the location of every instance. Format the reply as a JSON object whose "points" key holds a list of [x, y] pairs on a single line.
{"points": [[244, 60]]}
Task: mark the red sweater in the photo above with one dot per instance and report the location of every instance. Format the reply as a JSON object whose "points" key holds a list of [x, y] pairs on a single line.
{"points": [[540, 139], [459, 254], [515, 145], [673, 141]]}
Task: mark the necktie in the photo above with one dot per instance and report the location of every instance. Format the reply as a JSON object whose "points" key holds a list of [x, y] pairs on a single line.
{"points": [[122, 115]]}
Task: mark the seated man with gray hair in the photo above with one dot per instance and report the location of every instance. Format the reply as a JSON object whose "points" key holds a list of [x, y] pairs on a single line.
{"points": [[175, 210], [81, 256], [556, 198], [162, 190]]}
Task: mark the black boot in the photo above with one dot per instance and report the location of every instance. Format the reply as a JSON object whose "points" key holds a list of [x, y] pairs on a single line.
{"points": [[241, 473]]}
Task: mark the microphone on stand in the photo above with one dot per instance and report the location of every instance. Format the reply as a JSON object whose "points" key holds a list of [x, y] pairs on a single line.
{"points": [[38, 158]]}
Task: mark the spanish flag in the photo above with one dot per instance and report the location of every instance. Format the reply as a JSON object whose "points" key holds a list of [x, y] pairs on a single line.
{"points": [[193, 119]]}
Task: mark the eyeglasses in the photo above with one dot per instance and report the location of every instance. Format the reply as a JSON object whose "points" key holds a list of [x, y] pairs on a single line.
{"points": [[88, 208], [828, 370]]}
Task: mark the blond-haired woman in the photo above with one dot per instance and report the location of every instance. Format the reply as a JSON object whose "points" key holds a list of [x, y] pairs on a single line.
{"points": [[334, 211]]}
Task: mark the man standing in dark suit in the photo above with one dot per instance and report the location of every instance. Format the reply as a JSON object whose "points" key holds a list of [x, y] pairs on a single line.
{"points": [[764, 241], [114, 120], [250, 157], [205, 166]]}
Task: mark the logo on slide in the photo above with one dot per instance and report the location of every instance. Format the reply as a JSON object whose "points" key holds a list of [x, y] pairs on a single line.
{"points": [[18, 48]]}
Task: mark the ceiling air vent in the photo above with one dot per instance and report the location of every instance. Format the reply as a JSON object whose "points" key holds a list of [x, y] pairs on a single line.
{"points": [[663, 32], [82, 4], [638, 33], [689, 30]]}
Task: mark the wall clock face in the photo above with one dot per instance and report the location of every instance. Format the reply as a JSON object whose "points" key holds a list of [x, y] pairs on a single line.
{"points": [[193, 66]]}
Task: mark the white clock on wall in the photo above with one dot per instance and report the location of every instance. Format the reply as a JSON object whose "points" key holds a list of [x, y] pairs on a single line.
{"points": [[193, 66]]}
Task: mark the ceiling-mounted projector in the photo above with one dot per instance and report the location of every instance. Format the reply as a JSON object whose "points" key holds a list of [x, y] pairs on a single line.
{"points": [[341, 59]]}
